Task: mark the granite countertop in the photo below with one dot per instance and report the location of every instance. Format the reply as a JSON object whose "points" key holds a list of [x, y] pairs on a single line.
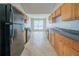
{"points": [[74, 35]]}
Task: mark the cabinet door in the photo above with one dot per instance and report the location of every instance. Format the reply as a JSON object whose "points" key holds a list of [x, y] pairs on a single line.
{"points": [[49, 36], [59, 44], [53, 39], [67, 11], [58, 12], [25, 39], [60, 48], [76, 11], [50, 17], [71, 47], [53, 17], [70, 52], [53, 20], [66, 46], [71, 43]]}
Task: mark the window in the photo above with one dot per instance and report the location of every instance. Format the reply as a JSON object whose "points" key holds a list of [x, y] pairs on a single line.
{"points": [[38, 25]]}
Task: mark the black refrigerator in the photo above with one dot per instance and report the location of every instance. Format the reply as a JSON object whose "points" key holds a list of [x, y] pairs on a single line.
{"points": [[11, 31], [4, 29]]}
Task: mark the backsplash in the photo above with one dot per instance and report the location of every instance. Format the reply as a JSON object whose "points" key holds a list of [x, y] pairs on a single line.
{"points": [[74, 24]]}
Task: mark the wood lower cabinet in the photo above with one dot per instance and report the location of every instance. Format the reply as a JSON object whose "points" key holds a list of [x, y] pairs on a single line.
{"points": [[66, 46], [59, 48], [71, 43], [25, 39], [59, 44], [70, 52], [51, 38]]}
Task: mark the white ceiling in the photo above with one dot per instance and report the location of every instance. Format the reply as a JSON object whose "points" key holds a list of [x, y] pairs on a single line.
{"points": [[39, 8]]}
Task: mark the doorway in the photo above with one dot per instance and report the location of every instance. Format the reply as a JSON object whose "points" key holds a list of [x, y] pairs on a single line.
{"points": [[38, 24]]}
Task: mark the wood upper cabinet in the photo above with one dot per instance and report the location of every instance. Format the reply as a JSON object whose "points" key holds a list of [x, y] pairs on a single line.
{"points": [[70, 11], [50, 17], [67, 11], [53, 17], [53, 20], [58, 12], [76, 11]]}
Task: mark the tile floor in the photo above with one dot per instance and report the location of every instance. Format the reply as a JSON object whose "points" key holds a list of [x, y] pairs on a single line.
{"points": [[38, 45]]}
